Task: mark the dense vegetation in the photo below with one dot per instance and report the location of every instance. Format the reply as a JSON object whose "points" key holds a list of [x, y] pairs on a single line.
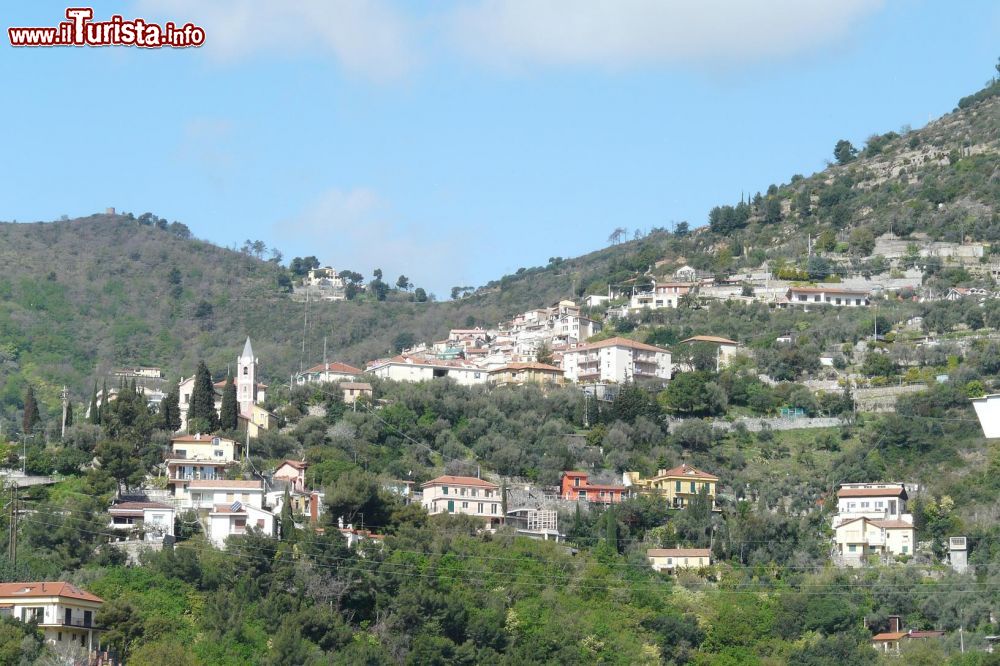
{"points": [[439, 591]]}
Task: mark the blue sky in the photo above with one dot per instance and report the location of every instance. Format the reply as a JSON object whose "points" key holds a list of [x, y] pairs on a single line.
{"points": [[460, 141]]}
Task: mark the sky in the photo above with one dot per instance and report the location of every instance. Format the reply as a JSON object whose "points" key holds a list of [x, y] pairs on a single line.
{"points": [[454, 142]]}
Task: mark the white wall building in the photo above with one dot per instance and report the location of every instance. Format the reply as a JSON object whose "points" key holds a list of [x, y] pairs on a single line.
{"points": [[64, 613], [673, 559], [154, 519], [616, 360], [871, 524], [463, 494], [413, 369], [207, 494], [225, 520]]}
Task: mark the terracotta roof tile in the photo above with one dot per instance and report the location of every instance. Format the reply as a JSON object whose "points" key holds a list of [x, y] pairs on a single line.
{"points": [[448, 480], [679, 552], [46, 589]]}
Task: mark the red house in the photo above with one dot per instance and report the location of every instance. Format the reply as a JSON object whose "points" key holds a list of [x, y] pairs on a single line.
{"points": [[576, 486]]}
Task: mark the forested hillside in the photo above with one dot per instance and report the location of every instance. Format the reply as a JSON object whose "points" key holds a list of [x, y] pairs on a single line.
{"points": [[78, 297]]}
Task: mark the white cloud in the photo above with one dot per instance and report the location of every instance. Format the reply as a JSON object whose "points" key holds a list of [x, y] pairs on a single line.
{"points": [[357, 230], [367, 37], [624, 33]]}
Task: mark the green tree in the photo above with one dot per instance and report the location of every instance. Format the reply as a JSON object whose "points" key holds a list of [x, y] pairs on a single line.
{"points": [[123, 625], [31, 417], [118, 460], [611, 530], [201, 410], [420, 295], [170, 410], [862, 241], [403, 282], [544, 354], [287, 524], [69, 413], [95, 412], [229, 412], [844, 152]]}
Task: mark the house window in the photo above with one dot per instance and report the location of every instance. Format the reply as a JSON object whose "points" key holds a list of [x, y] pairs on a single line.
{"points": [[32, 614], [692, 486], [444, 490], [219, 453], [480, 507], [494, 508], [906, 549], [677, 486], [246, 371], [851, 548], [465, 505]]}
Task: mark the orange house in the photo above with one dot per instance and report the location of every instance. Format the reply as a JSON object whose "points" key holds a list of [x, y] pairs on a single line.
{"points": [[576, 486]]}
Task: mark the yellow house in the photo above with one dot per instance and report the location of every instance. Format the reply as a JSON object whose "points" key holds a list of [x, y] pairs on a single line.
{"points": [[258, 421], [527, 373], [677, 485], [673, 559]]}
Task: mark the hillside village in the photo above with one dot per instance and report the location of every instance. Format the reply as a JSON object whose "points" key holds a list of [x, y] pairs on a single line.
{"points": [[752, 442]]}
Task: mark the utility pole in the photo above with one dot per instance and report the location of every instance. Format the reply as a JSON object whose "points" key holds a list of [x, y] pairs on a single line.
{"points": [[12, 538], [65, 405]]}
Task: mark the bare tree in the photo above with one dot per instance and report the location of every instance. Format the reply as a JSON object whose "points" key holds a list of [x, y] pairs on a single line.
{"points": [[617, 235]]}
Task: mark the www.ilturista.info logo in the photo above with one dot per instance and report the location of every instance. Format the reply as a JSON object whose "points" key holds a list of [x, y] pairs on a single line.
{"points": [[80, 30]]}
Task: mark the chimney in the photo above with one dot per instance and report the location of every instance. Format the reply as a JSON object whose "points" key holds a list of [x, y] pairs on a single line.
{"points": [[314, 507], [894, 623]]}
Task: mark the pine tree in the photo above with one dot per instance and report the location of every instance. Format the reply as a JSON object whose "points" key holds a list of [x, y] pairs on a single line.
{"points": [[287, 525], [170, 411], [95, 414], [31, 415], [201, 411], [229, 414]]}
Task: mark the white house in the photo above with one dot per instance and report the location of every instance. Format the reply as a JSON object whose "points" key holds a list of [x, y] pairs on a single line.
{"points": [[727, 348], [464, 494], [328, 372], [414, 369], [209, 493], [616, 360], [871, 523], [674, 559], [880, 501], [154, 519], [827, 295], [225, 520], [64, 612]]}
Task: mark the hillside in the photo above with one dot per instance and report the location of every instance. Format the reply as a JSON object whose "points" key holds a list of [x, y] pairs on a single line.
{"points": [[940, 181], [79, 297]]}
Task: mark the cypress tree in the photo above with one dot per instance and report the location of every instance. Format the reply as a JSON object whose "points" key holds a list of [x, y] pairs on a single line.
{"points": [[201, 411], [170, 411], [611, 526], [31, 415], [229, 413], [105, 403], [69, 413], [287, 522], [95, 414]]}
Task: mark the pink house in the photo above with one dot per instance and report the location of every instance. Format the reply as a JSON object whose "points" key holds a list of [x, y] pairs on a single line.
{"points": [[294, 472]]}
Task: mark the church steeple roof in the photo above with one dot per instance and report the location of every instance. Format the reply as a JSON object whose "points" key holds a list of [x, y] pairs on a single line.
{"points": [[247, 349]]}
